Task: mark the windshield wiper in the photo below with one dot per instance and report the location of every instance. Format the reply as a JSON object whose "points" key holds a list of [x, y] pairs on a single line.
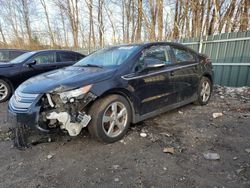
{"points": [[91, 65]]}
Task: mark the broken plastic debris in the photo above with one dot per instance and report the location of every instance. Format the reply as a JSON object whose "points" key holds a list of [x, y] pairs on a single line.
{"points": [[247, 150], [49, 156], [116, 167], [211, 156], [239, 170], [235, 158], [169, 150], [143, 135], [216, 115], [180, 112]]}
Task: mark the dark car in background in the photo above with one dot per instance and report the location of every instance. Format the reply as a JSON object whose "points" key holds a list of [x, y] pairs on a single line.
{"points": [[7, 55], [30, 64], [112, 88]]}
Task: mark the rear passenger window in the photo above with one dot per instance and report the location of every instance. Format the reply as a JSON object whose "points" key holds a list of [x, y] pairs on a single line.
{"points": [[65, 57], [183, 55]]}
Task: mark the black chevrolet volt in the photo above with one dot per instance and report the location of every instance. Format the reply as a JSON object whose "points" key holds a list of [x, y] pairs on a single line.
{"points": [[110, 89]]}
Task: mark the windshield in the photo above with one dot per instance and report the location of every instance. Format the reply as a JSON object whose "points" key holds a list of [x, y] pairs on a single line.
{"points": [[22, 58], [108, 57]]}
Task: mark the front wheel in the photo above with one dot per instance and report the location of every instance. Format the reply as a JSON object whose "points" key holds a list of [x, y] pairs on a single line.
{"points": [[204, 91], [111, 117], [5, 91]]}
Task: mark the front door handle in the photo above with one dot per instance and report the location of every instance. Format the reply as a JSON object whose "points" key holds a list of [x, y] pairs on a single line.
{"points": [[172, 73]]}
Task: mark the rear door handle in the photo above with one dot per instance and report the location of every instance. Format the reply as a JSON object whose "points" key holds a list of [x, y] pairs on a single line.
{"points": [[172, 73]]}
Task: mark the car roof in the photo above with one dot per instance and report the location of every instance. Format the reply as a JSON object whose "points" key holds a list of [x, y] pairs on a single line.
{"points": [[148, 44], [55, 50]]}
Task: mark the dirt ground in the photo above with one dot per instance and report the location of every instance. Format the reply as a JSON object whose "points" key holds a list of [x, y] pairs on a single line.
{"points": [[140, 162]]}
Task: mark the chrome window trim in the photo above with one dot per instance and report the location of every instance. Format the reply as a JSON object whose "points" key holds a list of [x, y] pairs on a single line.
{"points": [[155, 73]]}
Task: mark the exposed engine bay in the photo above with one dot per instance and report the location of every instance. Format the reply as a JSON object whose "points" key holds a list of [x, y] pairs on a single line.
{"points": [[66, 111]]}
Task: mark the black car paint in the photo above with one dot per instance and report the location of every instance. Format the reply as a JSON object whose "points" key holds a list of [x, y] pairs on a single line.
{"points": [[149, 92], [16, 73]]}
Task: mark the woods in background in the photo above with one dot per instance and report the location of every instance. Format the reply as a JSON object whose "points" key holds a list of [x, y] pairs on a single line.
{"points": [[35, 24]]}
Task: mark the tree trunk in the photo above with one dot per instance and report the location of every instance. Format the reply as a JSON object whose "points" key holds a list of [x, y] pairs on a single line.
{"points": [[100, 22], [176, 28], [48, 23], [244, 18], [26, 17], [160, 19], [139, 21]]}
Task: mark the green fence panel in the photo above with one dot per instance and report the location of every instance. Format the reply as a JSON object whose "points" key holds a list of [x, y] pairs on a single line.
{"points": [[230, 54]]}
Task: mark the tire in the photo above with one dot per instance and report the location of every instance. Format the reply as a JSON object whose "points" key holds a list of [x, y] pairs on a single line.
{"points": [[5, 91], [104, 118], [204, 94]]}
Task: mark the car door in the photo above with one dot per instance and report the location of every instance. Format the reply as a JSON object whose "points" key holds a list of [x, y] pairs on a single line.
{"points": [[154, 88], [64, 59], [185, 73], [44, 61]]}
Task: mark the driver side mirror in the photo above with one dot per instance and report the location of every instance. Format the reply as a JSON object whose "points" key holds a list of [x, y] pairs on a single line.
{"points": [[151, 63], [30, 63]]}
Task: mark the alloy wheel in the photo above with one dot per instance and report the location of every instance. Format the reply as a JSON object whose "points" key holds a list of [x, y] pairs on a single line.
{"points": [[205, 91], [3, 91], [114, 119]]}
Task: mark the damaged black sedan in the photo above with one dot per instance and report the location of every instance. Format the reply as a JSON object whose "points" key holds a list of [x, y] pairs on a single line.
{"points": [[112, 88]]}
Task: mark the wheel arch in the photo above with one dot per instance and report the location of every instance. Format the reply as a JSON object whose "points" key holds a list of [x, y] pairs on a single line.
{"points": [[209, 77], [9, 82], [124, 93]]}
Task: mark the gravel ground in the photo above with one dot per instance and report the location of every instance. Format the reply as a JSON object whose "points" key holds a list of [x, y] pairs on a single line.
{"points": [[138, 161]]}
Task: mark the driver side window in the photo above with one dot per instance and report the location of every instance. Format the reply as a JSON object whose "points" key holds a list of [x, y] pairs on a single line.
{"points": [[45, 58], [155, 54]]}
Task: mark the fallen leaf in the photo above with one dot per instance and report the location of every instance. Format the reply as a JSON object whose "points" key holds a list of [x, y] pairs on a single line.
{"points": [[169, 150]]}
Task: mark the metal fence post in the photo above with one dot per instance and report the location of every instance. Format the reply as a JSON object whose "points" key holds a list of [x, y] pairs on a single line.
{"points": [[200, 44]]}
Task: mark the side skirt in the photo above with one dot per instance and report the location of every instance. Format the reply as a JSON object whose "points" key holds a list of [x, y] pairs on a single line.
{"points": [[138, 118]]}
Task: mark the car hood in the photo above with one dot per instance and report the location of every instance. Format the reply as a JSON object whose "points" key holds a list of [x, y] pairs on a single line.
{"points": [[65, 79], [5, 65]]}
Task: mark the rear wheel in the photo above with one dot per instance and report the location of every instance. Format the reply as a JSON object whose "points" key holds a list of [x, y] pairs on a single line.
{"points": [[111, 117], [204, 91], [5, 91]]}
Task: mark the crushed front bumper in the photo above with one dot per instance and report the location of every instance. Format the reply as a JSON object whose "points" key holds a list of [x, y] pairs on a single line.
{"points": [[23, 121]]}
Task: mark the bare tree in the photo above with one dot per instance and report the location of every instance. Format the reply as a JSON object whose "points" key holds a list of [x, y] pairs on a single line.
{"points": [[100, 22], [71, 10], [51, 34], [244, 16], [91, 36], [139, 21], [26, 16]]}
